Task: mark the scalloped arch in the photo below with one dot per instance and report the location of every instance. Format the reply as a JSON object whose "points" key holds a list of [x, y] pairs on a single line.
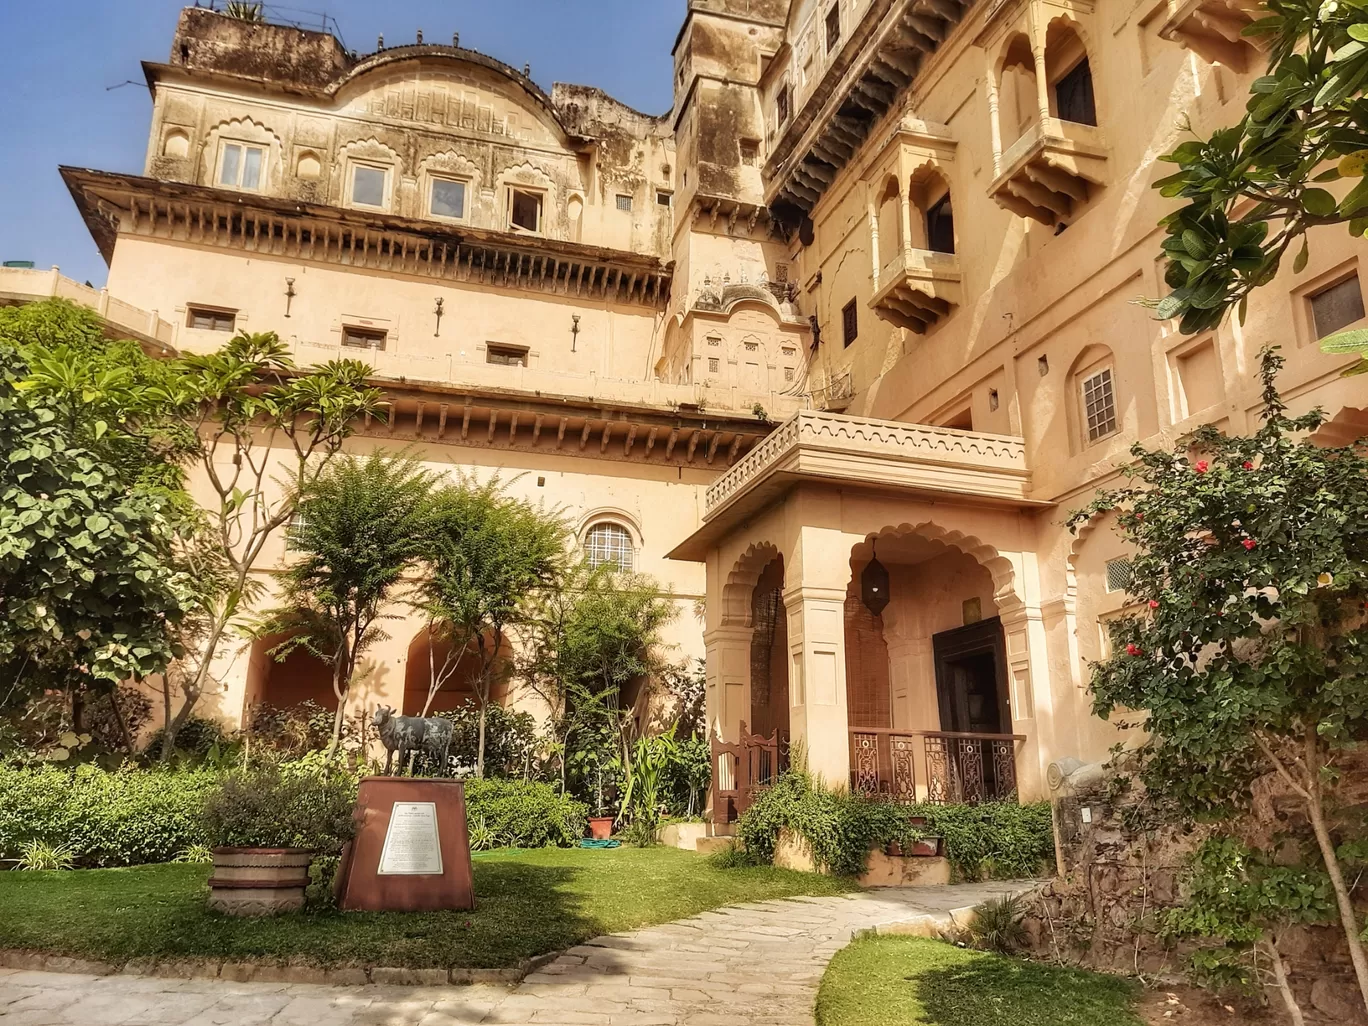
{"points": [[740, 585], [1002, 569]]}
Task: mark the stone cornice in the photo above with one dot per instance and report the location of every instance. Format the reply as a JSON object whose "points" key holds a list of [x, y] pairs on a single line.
{"points": [[112, 203]]}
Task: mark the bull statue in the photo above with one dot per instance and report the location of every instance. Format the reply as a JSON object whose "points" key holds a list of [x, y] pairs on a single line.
{"points": [[405, 734]]}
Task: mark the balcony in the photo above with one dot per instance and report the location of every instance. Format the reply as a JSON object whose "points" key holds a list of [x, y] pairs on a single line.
{"points": [[1050, 170], [122, 320], [917, 288], [1213, 30]]}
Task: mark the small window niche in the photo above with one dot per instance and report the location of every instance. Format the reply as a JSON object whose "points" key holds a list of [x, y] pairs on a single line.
{"points": [[750, 153], [1336, 306], [1098, 405], [524, 210], [355, 337], [240, 166], [833, 27], [1197, 379], [783, 106], [505, 355], [1074, 98], [176, 143], [624, 202], [940, 226], [210, 318], [850, 323], [447, 199]]}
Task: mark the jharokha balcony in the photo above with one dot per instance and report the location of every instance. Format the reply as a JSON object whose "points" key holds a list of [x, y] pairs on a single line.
{"points": [[1048, 172], [1214, 30], [918, 288]]}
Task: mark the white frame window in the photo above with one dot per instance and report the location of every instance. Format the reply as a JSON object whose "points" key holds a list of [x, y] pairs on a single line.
{"points": [[449, 186], [609, 542], [512, 194], [356, 168], [1097, 404], [241, 165]]}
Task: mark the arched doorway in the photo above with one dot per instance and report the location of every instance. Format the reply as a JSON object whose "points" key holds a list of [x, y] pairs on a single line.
{"points": [[431, 658], [769, 705]]}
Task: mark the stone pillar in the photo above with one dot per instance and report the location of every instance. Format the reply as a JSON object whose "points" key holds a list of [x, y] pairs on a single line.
{"points": [[994, 118], [1028, 682], [874, 237], [728, 676], [905, 206], [1042, 80], [819, 719]]}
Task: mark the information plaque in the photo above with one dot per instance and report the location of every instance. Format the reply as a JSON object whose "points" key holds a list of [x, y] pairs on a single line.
{"points": [[411, 852]]}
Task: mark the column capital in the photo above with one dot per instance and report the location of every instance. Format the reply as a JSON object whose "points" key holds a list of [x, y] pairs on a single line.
{"points": [[724, 634], [813, 593]]}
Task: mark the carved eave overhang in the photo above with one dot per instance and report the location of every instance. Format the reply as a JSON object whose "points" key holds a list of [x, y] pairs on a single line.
{"points": [[875, 68], [856, 453], [1050, 170], [116, 203], [562, 425], [726, 213], [919, 289], [1214, 30], [719, 299]]}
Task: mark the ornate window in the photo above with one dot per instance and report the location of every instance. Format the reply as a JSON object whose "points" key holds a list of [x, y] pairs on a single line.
{"points": [[524, 210], [610, 543], [240, 166], [1099, 405], [447, 198], [369, 186]]}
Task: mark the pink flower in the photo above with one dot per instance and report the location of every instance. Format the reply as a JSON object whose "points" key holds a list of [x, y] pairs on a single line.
{"points": [[1203, 466], [1249, 544], [1248, 465], [1133, 650], [1154, 604]]}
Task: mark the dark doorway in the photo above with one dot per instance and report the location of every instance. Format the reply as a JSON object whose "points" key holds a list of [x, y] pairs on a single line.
{"points": [[1074, 95], [971, 685], [940, 226]]}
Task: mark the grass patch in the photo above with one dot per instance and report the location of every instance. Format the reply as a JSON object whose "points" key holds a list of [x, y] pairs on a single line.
{"points": [[530, 902], [908, 981]]}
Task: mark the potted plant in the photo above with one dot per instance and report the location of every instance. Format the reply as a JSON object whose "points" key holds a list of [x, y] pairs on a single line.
{"points": [[600, 825], [266, 825], [913, 841]]}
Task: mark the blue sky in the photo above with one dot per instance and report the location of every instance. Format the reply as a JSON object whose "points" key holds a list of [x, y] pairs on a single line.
{"points": [[60, 59]]}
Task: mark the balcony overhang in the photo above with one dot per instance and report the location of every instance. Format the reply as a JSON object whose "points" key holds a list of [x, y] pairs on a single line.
{"points": [[1213, 30], [857, 453], [886, 50], [1048, 172], [918, 289]]}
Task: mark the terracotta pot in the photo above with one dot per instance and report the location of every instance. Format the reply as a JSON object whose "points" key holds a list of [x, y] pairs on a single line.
{"points": [[259, 881], [600, 827]]}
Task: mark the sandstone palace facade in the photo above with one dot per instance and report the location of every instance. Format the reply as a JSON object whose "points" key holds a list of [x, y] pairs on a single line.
{"points": [[832, 348]]}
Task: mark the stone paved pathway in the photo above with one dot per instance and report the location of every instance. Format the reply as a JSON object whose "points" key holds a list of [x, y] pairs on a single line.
{"points": [[746, 965]]}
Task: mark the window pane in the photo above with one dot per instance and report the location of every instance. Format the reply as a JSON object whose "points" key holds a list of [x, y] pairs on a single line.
{"points": [[1099, 405], [251, 168], [1074, 96], [448, 198], [610, 543], [368, 186], [940, 227], [525, 210], [232, 164], [1338, 306], [624, 202]]}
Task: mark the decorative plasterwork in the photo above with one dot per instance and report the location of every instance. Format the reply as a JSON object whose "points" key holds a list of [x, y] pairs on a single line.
{"points": [[113, 203]]}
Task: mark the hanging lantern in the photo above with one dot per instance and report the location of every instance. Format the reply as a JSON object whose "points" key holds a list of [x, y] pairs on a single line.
{"points": [[874, 584]]}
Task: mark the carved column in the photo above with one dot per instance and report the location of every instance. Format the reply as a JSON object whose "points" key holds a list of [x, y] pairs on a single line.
{"points": [[1038, 31], [994, 119], [874, 238], [905, 205]]}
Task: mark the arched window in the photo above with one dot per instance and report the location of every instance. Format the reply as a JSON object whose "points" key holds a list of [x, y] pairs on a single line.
{"points": [[294, 532], [610, 543]]}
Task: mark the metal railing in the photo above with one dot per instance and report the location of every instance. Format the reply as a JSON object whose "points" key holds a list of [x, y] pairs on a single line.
{"points": [[941, 767]]}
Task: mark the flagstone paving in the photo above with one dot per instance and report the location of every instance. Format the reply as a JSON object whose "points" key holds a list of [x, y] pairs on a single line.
{"points": [[747, 965]]}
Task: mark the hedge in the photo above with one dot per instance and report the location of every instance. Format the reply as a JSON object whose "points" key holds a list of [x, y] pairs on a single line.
{"points": [[135, 816]]}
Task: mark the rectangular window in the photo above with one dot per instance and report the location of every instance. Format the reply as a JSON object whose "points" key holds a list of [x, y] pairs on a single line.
{"points": [[665, 199], [850, 322], [448, 198], [1074, 95], [363, 338], [1337, 307], [1118, 574], [1099, 405], [368, 186], [241, 166], [624, 202], [506, 356], [750, 152], [524, 210], [208, 319], [782, 106], [714, 365], [940, 226], [833, 27]]}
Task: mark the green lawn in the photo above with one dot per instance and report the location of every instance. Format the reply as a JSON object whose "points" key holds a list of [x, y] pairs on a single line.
{"points": [[529, 903], [907, 981]]}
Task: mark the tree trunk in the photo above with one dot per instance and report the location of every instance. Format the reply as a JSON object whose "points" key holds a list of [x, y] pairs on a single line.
{"points": [[1348, 918], [480, 747], [192, 691], [77, 709], [341, 685], [1284, 988], [119, 719]]}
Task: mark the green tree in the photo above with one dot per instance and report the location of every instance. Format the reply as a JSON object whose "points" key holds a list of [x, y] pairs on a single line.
{"points": [[1252, 658], [1252, 191], [1244, 899], [262, 433], [489, 557], [363, 525]]}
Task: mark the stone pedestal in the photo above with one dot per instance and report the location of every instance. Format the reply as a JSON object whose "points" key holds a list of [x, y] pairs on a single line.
{"points": [[412, 848]]}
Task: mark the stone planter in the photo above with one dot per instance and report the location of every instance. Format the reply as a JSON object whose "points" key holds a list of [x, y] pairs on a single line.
{"points": [[682, 835], [259, 881], [600, 827]]}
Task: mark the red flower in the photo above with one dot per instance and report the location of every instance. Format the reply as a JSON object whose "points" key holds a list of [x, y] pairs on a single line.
{"points": [[1203, 466], [1154, 604], [1248, 465], [1249, 544], [1133, 650]]}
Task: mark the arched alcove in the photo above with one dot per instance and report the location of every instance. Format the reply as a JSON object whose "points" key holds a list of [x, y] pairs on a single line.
{"points": [[431, 655]]}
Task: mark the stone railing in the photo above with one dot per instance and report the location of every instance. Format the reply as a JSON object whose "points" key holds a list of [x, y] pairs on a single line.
{"points": [[863, 438], [27, 285]]}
